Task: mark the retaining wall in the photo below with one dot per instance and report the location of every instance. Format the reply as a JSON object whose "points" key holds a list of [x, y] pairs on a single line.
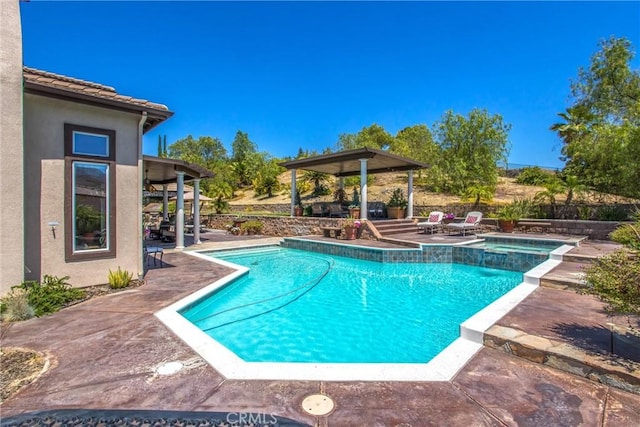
{"points": [[303, 225]]}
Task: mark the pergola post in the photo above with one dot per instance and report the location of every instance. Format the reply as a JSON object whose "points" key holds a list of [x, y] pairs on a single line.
{"points": [[180, 212], [165, 202], [293, 192], [363, 189], [196, 211], [410, 195]]}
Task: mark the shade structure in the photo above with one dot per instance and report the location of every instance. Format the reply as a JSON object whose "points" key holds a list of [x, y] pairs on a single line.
{"points": [[188, 197]]}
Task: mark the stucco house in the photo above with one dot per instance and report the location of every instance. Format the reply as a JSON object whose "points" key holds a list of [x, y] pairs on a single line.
{"points": [[72, 171]]}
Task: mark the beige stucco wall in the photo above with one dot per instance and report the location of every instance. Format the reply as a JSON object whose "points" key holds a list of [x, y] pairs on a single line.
{"points": [[44, 120], [11, 172]]}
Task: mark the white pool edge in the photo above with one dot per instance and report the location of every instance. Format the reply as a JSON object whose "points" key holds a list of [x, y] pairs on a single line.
{"points": [[443, 367]]}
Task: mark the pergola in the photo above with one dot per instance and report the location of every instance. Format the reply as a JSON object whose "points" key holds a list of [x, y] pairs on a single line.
{"points": [[163, 171], [353, 162]]}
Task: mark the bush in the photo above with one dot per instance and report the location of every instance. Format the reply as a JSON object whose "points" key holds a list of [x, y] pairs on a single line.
{"points": [[612, 213], [615, 279], [397, 199], [52, 295], [252, 227], [533, 176], [119, 279], [15, 306]]}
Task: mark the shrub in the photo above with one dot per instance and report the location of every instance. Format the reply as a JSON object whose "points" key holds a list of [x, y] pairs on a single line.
{"points": [[252, 227], [15, 306], [119, 279], [615, 279], [397, 199], [533, 176], [51, 295], [612, 213]]}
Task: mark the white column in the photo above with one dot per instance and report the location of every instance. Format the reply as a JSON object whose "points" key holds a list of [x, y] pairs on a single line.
{"points": [[410, 193], [363, 189], [165, 202], [293, 192], [196, 211], [180, 212]]}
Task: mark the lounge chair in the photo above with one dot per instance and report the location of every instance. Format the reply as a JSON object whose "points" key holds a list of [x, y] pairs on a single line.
{"points": [[470, 223], [434, 222]]}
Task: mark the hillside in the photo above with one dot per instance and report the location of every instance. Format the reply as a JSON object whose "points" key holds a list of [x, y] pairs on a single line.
{"points": [[383, 185]]}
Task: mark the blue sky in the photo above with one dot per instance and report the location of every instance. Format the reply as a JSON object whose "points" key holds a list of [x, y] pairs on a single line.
{"points": [[299, 74]]}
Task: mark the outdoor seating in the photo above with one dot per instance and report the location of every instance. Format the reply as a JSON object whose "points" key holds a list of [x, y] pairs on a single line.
{"points": [[375, 209], [153, 251], [335, 210], [319, 209], [434, 222], [470, 223]]}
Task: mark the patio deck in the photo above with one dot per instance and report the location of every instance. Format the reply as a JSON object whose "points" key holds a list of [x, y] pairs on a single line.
{"points": [[104, 354]]}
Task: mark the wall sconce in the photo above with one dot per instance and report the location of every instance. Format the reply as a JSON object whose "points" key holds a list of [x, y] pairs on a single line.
{"points": [[53, 225]]}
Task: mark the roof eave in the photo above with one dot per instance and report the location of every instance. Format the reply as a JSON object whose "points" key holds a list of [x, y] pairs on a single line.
{"points": [[155, 116]]}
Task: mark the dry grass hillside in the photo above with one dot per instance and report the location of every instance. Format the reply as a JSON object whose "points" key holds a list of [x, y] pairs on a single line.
{"points": [[384, 184]]}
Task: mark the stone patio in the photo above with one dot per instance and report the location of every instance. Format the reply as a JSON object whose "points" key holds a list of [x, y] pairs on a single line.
{"points": [[104, 354]]}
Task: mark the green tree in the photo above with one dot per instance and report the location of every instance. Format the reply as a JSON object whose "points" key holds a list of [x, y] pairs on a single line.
{"points": [[601, 136], [416, 142], [245, 159], [471, 148], [374, 136], [204, 151], [319, 180], [552, 189], [266, 180]]}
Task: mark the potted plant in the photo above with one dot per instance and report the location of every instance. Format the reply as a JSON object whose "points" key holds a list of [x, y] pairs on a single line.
{"points": [[448, 218], [298, 209], [509, 214], [350, 227], [507, 217], [397, 204]]}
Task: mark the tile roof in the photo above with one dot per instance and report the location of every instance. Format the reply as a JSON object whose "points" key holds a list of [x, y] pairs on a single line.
{"points": [[47, 80]]}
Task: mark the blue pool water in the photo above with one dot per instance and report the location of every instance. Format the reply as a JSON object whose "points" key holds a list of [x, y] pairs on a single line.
{"points": [[298, 306], [538, 247]]}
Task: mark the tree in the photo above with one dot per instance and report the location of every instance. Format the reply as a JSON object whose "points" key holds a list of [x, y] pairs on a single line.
{"points": [[204, 151], [552, 189], [471, 148], [319, 180], [416, 142], [374, 136], [601, 133], [245, 159], [266, 180]]}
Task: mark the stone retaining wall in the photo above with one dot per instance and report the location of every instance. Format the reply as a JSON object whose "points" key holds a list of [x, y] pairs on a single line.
{"points": [[284, 225], [303, 225]]}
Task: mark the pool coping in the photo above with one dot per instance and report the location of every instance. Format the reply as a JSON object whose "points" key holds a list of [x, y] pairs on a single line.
{"points": [[443, 367]]}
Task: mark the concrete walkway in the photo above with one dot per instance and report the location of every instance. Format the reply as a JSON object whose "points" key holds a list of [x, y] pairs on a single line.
{"points": [[104, 354]]}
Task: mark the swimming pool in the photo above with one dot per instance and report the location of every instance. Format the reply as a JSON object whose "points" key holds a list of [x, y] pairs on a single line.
{"points": [[297, 306], [511, 245]]}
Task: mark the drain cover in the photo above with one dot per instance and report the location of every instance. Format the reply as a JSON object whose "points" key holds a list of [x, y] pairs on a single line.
{"points": [[317, 404], [169, 368]]}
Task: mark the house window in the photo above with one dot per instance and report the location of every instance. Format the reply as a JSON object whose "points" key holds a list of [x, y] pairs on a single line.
{"points": [[89, 193]]}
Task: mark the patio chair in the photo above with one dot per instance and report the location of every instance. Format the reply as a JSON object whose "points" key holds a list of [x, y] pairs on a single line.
{"points": [[434, 222], [153, 251], [318, 209], [375, 209], [335, 210], [471, 223]]}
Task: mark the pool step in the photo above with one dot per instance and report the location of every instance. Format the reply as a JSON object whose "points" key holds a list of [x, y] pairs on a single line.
{"points": [[567, 275], [604, 368], [395, 226]]}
